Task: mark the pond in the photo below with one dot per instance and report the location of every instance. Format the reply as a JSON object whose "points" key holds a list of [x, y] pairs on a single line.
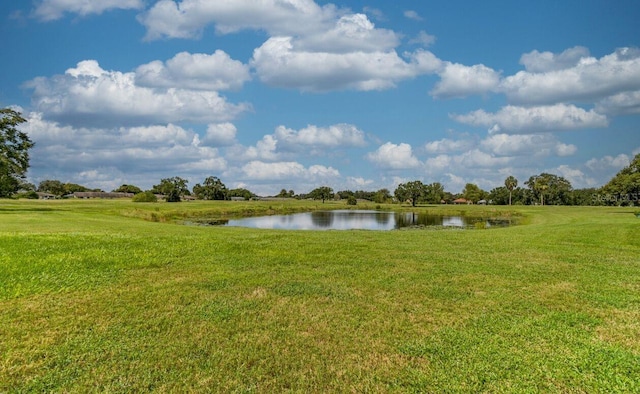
{"points": [[359, 220]]}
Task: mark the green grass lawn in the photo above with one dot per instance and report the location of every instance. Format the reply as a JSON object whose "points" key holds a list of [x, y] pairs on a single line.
{"points": [[113, 296]]}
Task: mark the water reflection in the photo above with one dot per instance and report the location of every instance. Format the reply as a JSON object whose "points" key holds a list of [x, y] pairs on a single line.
{"points": [[361, 220]]}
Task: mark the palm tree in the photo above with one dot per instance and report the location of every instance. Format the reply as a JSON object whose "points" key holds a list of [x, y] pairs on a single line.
{"points": [[541, 185], [510, 183]]}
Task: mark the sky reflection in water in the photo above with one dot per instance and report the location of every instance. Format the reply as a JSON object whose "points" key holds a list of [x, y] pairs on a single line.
{"points": [[358, 220]]}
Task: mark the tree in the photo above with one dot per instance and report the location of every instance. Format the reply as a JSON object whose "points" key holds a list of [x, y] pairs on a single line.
{"points": [[212, 189], [321, 193], [500, 196], [585, 197], [128, 189], [624, 188], [550, 189], [472, 192], [510, 183], [74, 187], [14, 152], [434, 193], [244, 193], [382, 196], [173, 188], [413, 191], [52, 186], [286, 194]]}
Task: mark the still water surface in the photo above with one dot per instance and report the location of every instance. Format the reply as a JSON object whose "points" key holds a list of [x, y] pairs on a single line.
{"points": [[359, 220]]}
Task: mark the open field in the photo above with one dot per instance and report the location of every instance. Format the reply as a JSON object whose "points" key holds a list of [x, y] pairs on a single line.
{"points": [[112, 296]]}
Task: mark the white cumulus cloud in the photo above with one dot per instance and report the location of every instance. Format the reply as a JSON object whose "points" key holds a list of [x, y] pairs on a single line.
{"points": [[588, 80], [447, 145], [526, 144], [394, 157], [48, 10], [220, 134], [187, 18], [258, 170], [277, 62], [458, 80], [88, 95], [609, 162], [339, 135], [98, 157], [626, 103], [541, 62], [525, 120], [351, 33], [194, 71]]}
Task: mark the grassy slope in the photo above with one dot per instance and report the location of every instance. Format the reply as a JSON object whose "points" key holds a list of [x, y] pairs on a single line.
{"points": [[94, 299]]}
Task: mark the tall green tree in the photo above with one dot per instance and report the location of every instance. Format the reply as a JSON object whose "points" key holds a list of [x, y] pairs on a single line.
{"points": [[211, 189], [14, 152], [624, 188], [550, 189], [472, 192], [414, 191], [51, 186], [173, 188], [510, 183], [321, 193], [434, 193], [382, 196]]}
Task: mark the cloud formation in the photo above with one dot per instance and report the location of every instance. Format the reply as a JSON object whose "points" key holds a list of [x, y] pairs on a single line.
{"points": [[278, 63], [196, 71], [336, 136], [394, 157], [527, 144], [102, 157], [458, 80], [287, 171], [524, 120], [187, 18], [87, 95], [48, 10], [557, 79]]}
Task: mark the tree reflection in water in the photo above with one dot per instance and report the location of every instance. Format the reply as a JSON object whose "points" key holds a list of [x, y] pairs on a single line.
{"points": [[364, 220]]}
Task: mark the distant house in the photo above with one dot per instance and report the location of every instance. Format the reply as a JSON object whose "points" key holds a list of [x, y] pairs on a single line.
{"points": [[86, 195], [45, 196], [460, 201]]}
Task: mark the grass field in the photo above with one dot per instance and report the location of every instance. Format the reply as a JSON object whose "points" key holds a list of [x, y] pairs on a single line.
{"points": [[113, 296]]}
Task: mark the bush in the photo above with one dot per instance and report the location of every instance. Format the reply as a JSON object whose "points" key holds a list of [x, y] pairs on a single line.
{"points": [[30, 195], [147, 196], [352, 201]]}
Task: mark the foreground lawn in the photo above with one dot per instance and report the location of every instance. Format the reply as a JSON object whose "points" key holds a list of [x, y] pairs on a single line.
{"points": [[112, 296]]}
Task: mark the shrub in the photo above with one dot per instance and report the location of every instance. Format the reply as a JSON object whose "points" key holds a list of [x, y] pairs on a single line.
{"points": [[352, 201], [30, 195], [147, 196]]}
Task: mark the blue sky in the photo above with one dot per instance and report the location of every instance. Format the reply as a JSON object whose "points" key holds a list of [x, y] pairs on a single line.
{"points": [[296, 94]]}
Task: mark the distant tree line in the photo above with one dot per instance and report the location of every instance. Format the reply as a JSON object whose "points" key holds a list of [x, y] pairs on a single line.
{"points": [[542, 189]]}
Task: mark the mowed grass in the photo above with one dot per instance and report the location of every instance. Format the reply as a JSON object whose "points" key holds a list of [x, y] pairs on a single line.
{"points": [[112, 296]]}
